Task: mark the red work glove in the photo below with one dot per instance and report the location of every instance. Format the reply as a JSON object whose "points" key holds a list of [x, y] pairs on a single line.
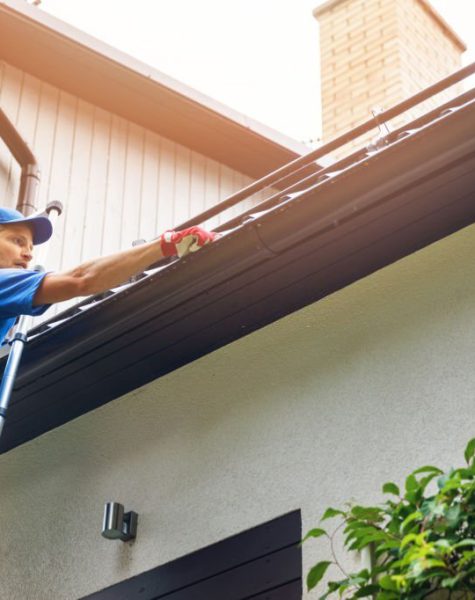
{"points": [[180, 243]]}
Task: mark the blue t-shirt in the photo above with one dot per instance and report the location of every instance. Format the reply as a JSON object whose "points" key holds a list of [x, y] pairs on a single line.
{"points": [[17, 290]]}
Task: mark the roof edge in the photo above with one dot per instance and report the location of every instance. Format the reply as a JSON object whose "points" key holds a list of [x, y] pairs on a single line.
{"points": [[379, 209], [93, 46]]}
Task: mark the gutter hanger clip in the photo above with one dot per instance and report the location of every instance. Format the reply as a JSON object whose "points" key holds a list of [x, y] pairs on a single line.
{"points": [[381, 140]]}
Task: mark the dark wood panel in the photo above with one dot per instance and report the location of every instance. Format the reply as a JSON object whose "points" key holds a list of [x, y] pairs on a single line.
{"points": [[263, 560], [291, 591], [246, 581]]}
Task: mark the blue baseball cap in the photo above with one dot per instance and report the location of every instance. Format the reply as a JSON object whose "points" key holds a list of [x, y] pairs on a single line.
{"points": [[40, 224]]}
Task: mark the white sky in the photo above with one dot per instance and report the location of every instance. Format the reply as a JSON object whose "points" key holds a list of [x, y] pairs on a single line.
{"points": [[260, 57]]}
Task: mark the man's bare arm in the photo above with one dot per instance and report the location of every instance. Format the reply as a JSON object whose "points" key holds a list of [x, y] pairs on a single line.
{"points": [[104, 273], [97, 275]]}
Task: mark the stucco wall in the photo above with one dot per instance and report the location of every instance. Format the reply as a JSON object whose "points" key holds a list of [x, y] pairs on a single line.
{"points": [[323, 406]]}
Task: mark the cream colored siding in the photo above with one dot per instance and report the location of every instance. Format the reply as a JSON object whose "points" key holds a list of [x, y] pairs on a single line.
{"points": [[118, 181], [10, 99], [197, 183]]}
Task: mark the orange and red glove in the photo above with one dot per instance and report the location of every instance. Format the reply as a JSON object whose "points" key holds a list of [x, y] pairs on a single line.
{"points": [[180, 243]]}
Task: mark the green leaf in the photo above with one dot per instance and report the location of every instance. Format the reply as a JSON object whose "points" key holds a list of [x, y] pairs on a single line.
{"points": [[376, 536], [428, 469], [316, 573], [368, 513], [466, 473], [432, 509], [411, 483], [431, 563], [331, 512], [426, 480], [386, 583], [444, 546], [389, 545], [450, 582], [333, 586], [314, 533], [467, 557], [367, 590], [410, 518], [443, 480], [411, 537], [391, 488], [463, 543], [453, 515], [470, 450]]}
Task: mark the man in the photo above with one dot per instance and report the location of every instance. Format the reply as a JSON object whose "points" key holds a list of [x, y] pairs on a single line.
{"points": [[25, 292]]}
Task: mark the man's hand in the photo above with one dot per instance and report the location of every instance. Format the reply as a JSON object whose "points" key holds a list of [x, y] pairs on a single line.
{"points": [[180, 243]]}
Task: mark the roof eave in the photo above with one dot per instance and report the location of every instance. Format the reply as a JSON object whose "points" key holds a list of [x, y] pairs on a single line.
{"points": [[80, 64], [379, 210]]}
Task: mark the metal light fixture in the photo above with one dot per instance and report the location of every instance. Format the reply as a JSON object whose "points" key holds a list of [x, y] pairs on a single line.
{"points": [[117, 524]]}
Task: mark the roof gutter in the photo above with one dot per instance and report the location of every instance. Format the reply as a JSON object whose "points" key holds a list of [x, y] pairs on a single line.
{"points": [[375, 207], [30, 171], [303, 169], [383, 207]]}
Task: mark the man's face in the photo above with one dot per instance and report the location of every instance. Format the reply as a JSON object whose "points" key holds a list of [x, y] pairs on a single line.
{"points": [[16, 246]]}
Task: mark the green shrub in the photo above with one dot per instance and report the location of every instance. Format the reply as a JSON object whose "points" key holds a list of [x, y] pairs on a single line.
{"points": [[421, 543]]}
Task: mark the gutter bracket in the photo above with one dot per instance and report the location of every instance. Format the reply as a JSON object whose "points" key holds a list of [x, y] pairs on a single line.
{"points": [[381, 140], [256, 225]]}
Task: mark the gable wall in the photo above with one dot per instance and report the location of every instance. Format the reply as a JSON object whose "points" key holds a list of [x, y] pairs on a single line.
{"points": [[117, 181]]}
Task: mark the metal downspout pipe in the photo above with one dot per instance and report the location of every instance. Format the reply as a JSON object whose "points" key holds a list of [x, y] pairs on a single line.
{"points": [[30, 171], [26, 204]]}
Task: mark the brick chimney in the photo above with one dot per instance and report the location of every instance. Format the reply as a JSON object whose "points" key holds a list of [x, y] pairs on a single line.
{"points": [[378, 53]]}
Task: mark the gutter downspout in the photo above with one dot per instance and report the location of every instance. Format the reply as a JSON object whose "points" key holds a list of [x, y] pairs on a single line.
{"points": [[30, 171], [30, 180]]}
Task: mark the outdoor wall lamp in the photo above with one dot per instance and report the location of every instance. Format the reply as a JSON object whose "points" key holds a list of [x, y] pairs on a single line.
{"points": [[117, 524]]}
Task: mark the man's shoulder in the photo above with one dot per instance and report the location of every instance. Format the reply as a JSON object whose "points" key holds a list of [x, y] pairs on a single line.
{"points": [[12, 277], [11, 272]]}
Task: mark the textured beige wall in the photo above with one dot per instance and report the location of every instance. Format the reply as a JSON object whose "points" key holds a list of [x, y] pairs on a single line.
{"points": [[378, 53], [323, 406]]}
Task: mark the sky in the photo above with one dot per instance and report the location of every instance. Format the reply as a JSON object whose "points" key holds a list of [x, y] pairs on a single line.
{"points": [[259, 57]]}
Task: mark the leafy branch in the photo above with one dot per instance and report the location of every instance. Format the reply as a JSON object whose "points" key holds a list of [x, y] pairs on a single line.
{"points": [[422, 543]]}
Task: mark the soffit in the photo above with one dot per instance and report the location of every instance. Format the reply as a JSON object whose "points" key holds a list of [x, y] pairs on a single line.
{"points": [[71, 60]]}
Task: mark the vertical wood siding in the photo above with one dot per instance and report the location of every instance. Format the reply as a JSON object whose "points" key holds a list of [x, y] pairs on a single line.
{"points": [[118, 182]]}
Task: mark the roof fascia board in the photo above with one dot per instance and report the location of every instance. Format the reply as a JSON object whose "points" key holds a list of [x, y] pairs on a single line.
{"points": [[286, 224], [361, 222]]}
